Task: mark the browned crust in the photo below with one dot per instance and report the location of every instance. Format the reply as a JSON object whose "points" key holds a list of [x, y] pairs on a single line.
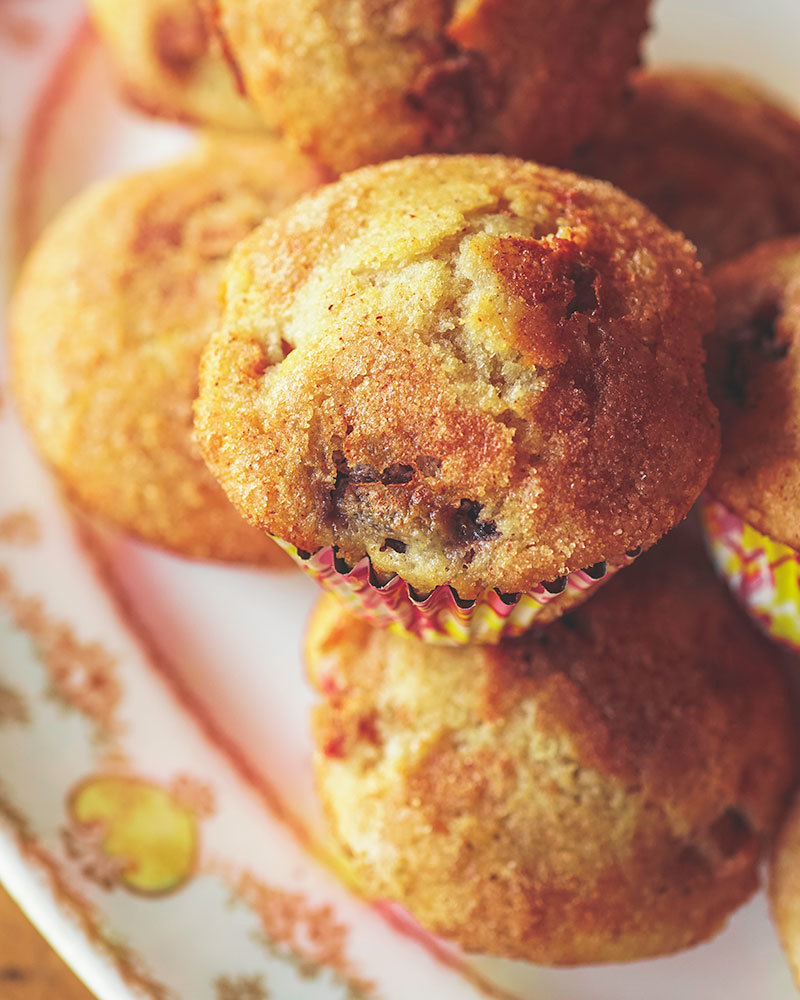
{"points": [[494, 364], [754, 376], [599, 790], [109, 319], [711, 153], [170, 64], [370, 81]]}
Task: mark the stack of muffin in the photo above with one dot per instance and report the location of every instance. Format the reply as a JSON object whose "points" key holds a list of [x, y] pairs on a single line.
{"points": [[464, 390]]}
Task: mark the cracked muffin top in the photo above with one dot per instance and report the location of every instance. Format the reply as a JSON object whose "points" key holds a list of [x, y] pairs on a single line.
{"points": [[171, 64], [362, 81], [711, 153], [475, 370], [109, 319], [754, 378], [597, 790]]}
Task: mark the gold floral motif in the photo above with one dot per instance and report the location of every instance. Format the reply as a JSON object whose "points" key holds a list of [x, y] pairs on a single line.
{"points": [[82, 674], [129, 964], [241, 988], [114, 760], [214, 732], [311, 934], [133, 834], [20, 527], [84, 842], [196, 796], [12, 707]]}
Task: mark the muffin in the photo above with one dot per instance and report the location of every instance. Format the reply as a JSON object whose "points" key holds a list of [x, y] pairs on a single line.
{"points": [[710, 153], [596, 791], [112, 311], [171, 64], [753, 511], [447, 382], [357, 82], [784, 888]]}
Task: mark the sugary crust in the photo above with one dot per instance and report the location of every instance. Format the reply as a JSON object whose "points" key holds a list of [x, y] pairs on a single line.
{"points": [[475, 370], [754, 378], [109, 319], [784, 887], [362, 81], [712, 154], [171, 64], [598, 790]]}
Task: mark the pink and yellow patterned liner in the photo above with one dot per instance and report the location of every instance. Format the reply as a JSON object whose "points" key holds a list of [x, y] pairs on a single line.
{"points": [[763, 574], [442, 617]]}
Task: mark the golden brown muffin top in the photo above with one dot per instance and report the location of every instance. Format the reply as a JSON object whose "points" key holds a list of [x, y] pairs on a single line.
{"points": [[112, 311], [362, 81], [477, 371], [754, 377], [597, 790], [171, 63], [711, 153]]}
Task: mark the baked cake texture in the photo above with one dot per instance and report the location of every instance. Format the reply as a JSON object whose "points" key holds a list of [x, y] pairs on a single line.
{"points": [[476, 371], [711, 153], [754, 378], [362, 81], [599, 790], [171, 63], [109, 319]]}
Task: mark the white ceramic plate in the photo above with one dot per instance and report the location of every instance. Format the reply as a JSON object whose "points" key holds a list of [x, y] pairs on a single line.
{"points": [[165, 700]]}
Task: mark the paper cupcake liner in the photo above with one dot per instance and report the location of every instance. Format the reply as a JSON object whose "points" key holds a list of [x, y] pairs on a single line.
{"points": [[441, 616], [763, 574]]}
